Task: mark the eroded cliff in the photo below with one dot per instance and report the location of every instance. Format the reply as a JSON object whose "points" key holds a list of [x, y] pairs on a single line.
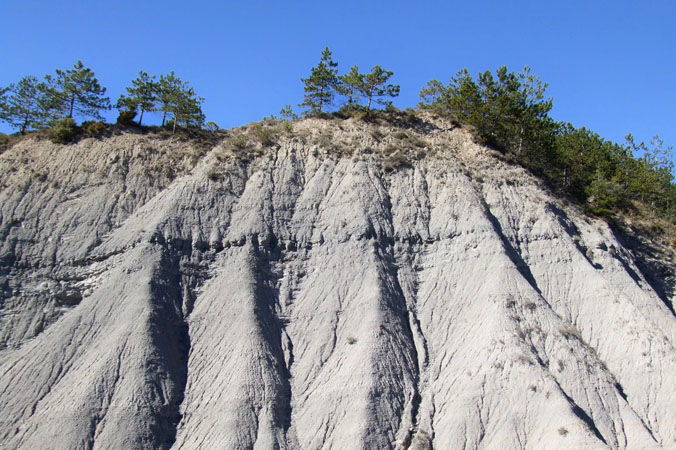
{"points": [[352, 285]]}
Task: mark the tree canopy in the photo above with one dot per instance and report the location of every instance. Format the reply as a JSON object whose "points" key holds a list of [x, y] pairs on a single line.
{"points": [[324, 83], [23, 105], [374, 86], [141, 95], [177, 98], [76, 91], [350, 86], [320, 86], [511, 112]]}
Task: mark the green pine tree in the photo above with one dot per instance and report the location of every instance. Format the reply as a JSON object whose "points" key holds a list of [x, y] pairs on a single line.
{"points": [[177, 98], [508, 110], [23, 104], [76, 91], [141, 95], [351, 85], [320, 86], [374, 86]]}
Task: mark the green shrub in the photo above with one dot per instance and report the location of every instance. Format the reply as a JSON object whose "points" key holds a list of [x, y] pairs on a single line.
{"points": [[126, 117], [64, 131], [4, 142], [93, 128], [287, 113], [287, 127]]}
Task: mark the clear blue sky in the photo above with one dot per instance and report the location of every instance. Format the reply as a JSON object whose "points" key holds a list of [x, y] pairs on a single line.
{"points": [[610, 65]]}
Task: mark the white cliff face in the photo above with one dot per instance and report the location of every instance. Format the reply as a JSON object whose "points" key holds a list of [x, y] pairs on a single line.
{"points": [[311, 296]]}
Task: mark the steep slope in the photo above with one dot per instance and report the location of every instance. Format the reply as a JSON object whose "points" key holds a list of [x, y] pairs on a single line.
{"points": [[356, 285]]}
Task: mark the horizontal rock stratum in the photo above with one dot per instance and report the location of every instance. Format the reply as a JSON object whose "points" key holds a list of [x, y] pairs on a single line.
{"points": [[350, 285]]}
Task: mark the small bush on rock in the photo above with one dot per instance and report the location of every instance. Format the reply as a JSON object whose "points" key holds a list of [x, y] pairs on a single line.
{"points": [[240, 142], [126, 117], [93, 128], [4, 142], [64, 131], [263, 134]]}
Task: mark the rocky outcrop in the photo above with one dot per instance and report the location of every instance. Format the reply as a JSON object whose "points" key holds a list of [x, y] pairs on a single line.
{"points": [[355, 285]]}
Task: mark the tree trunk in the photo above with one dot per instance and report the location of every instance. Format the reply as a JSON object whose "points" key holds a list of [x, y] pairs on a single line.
{"points": [[140, 118], [72, 104], [24, 125], [164, 116], [175, 120]]}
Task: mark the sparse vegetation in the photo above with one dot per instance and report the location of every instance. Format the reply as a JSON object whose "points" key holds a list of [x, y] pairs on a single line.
{"points": [[325, 140], [324, 83], [563, 431], [287, 113], [264, 135], [395, 158], [239, 141], [351, 340]]}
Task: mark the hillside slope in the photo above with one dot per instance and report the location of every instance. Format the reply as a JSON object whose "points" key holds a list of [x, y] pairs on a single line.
{"points": [[353, 285]]}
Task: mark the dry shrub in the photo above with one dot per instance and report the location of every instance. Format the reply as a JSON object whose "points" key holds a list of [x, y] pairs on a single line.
{"points": [[264, 135]]}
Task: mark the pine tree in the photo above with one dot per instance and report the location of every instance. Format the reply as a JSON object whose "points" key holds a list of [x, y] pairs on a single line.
{"points": [[320, 86], [23, 104], [374, 86], [4, 103], [509, 110], [351, 85], [176, 97], [142, 95], [76, 91]]}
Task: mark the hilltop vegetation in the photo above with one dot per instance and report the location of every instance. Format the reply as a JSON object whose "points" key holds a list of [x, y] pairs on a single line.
{"points": [[506, 110], [56, 101], [511, 112]]}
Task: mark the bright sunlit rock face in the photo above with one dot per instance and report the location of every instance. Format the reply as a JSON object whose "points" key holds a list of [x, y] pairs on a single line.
{"points": [[319, 293]]}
